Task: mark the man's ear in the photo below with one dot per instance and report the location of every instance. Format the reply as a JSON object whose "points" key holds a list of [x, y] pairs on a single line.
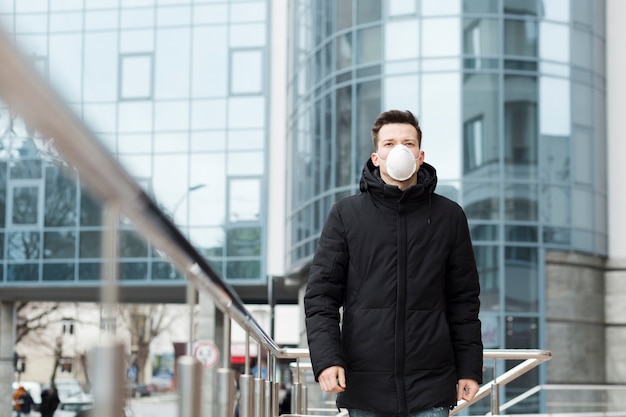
{"points": [[375, 159]]}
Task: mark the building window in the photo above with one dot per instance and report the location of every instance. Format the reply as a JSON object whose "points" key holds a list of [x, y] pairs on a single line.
{"points": [[246, 71], [68, 326], [65, 365], [473, 140], [25, 205], [136, 75]]}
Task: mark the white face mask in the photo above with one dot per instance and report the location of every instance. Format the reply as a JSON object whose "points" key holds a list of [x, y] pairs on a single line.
{"points": [[400, 163]]}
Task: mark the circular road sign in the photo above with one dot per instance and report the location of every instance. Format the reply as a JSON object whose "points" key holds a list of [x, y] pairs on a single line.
{"points": [[206, 353]]}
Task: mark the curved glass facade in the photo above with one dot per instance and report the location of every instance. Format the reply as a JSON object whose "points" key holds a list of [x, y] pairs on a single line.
{"points": [[178, 91], [510, 95]]}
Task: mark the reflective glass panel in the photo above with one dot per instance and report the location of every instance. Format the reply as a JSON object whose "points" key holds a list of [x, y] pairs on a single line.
{"points": [[132, 245], [244, 199], [243, 269], [554, 43], [89, 271], [520, 126], [480, 38], [90, 210], [520, 202], [133, 270], [481, 137], [59, 245], [521, 278], [243, 241], [58, 272], [401, 7], [22, 272], [368, 11], [90, 244], [25, 206], [480, 6], [343, 14], [481, 200], [343, 138], [402, 39], [556, 206], [136, 76], [488, 264], [60, 199], [441, 28], [246, 71], [441, 7], [520, 37], [23, 245]]}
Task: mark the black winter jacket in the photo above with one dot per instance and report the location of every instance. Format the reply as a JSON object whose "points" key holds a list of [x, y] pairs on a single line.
{"points": [[401, 264]]}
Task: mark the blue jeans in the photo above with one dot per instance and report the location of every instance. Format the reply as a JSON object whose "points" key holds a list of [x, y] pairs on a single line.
{"points": [[431, 412]]}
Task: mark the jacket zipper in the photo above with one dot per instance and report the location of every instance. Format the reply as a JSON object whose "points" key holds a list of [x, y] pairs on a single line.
{"points": [[400, 308]]}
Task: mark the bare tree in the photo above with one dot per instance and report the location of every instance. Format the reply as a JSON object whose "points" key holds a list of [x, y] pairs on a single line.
{"points": [[34, 319], [145, 322]]}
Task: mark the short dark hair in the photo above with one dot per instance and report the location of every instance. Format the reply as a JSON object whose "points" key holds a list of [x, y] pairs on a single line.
{"points": [[395, 116]]}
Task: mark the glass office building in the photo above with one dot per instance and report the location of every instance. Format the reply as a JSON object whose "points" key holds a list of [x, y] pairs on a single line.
{"points": [[511, 98], [178, 92]]}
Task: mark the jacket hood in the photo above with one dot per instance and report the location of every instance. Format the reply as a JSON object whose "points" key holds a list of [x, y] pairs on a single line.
{"points": [[371, 181]]}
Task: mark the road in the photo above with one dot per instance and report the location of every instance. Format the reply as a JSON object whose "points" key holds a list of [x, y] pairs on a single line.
{"points": [[159, 405]]}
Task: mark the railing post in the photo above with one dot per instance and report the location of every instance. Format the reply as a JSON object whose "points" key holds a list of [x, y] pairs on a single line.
{"points": [[495, 392], [189, 383], [226, 377], [304, 398], [296, 400], [108, 387], [246, 385], [259, 397], [495, 399], [269, 389]]}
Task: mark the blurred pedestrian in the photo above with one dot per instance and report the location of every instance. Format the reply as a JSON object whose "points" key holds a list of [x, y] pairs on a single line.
{"points": [[22, 402], [49, 402]]}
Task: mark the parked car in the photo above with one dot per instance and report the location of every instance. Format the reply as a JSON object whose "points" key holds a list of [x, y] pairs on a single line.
{"points": [[33, 388], [72, 408], [71, 390]]}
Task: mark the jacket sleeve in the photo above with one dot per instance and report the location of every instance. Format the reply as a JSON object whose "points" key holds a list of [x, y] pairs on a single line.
{"points": [[324, 296], [463, 304]]}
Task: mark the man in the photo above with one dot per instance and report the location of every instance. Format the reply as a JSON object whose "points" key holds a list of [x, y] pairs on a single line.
{"points": [[22, 402], [49, 402], [399, 260]]}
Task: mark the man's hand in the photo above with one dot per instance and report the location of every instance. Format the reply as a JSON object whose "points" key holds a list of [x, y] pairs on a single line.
{"points": [[467, 389], [333, 379]]}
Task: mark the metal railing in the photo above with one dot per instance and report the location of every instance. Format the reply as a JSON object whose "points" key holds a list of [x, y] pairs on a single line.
{"points": [[28, 94]]}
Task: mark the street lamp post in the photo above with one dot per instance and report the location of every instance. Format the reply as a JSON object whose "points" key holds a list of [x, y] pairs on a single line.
{"points": [[191, 290]]}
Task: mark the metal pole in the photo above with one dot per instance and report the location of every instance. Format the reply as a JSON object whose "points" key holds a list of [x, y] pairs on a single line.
{"points": [[246, 385], [304, 400], [108, 387], [267, 412], [296, 400], [226, 377], [495, 392], [272, 303], [225, 392], [246, 398], [259, 397], [189, 387], [191, 301]]}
